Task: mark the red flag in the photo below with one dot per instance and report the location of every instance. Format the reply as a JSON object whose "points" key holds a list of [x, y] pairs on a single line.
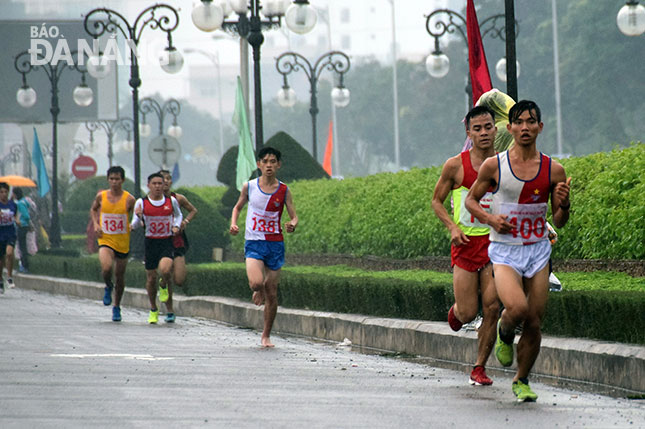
{"points": [[328, 150], [479, 75]]}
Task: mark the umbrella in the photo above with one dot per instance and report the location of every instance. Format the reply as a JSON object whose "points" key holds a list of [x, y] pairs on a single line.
{"points": [[18, 181]]}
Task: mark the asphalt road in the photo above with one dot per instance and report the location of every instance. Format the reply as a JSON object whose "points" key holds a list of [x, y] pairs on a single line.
{"points": [[64, 364]]}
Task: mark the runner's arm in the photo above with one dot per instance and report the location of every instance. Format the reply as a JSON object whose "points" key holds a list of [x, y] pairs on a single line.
{"points": [[191, 209], [485, 179], [95, 214], [177, 216], [441, 190], [234, 229], [291, 209], [137, 219], [560, 202]]}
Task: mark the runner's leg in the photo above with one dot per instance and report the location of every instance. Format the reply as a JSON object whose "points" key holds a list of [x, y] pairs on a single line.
{"points": [[106, 259], [270, 305], [165, 268], [179, 270], [465, 286], [255, 274], [490, 309], [119, 274]]}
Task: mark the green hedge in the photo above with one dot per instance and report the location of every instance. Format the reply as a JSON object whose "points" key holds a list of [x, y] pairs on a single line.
{"points": [[389, 214], [604, 315], [75, 221]]}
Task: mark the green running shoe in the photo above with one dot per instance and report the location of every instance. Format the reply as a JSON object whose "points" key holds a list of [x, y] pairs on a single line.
{"points": [[153, 317], [163, 291], [523, 392], [503, 351]]}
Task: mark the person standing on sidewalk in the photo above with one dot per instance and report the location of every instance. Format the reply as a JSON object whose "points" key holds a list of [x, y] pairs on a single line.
{"points": [[179, 241], [522, 179], [162, 218], [8, 218], [472, 272], [110, 214], [22, 222], [264, 246]]}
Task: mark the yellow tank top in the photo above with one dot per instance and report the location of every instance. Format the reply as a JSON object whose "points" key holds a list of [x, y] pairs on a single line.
{"points": [[115, 223]]}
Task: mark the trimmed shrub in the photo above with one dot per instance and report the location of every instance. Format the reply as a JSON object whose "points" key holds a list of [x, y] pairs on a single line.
{"points": [[75, 221], [209, 229], [82, 193]]}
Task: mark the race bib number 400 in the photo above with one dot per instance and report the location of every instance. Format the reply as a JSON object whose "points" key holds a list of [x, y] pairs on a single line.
{"points": [[158, 226], [466, 219], [114, 223], [529, 221]]}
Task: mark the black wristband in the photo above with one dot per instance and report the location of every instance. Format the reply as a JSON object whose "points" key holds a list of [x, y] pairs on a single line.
{"points": [[565, 207]]}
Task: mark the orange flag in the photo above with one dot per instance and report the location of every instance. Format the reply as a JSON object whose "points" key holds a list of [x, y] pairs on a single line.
{"points": [[329, 149]]}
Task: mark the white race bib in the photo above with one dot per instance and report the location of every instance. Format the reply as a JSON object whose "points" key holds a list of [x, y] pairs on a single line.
{"points": [[267, 222], [6, 217], [112, 223], [158, 226], [529, 221]]}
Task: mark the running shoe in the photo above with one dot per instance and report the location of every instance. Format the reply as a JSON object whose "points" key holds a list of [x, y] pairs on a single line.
{"points": [[503, 351], [116, 314], [10, 283], [523, 391], [163, 292], [153, 317], [1, 288], [554, 283], [107, 296], [170, 318], [479, 378], [454, 323]]}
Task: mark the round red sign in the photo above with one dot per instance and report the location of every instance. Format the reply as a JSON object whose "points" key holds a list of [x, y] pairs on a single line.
{"points": [[83, 167]]}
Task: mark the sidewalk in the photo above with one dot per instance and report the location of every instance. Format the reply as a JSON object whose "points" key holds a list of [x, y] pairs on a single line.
{"points": [[610, 364]]}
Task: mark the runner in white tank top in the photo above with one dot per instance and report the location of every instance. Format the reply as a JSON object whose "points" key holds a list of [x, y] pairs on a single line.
{"points": [[523, 180], [264, 246]]}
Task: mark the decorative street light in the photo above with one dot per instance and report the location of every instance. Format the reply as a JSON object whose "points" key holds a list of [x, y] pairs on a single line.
{"points": [[170, 107], [110, 128], [214, 58], [27, 97], [157, 17], [443, 21], [300, 18], [165, 144], [14, 155], [334, 61], [631, 18]]}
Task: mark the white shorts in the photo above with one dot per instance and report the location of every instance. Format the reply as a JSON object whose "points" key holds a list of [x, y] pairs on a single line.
{"points": [[527, 260]]}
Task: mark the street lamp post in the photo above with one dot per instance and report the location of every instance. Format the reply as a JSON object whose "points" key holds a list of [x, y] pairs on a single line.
{"points": [[446, 21], [157, 17], [290, 62], [14, 155], [300, 18], [167, 142], [110, 128], [26, 96], [214, 58]]}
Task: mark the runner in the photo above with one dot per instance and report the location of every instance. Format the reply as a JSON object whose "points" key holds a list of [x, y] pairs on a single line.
{"points": [[472, 271], [264, 246], [8, 218], [109, 212], [179, 242], [161, 217], [522, 179]]}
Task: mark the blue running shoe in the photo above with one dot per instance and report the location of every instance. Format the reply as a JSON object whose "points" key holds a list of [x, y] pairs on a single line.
{"points": [[116, 314], [170, 318], [107, 297]]}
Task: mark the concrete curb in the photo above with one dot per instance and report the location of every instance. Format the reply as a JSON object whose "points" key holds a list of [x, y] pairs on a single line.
{"points": [[611, 364]]}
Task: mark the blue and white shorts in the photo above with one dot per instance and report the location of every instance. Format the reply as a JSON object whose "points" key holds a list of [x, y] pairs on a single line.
{"points": [[270, 252], [527, 260]]}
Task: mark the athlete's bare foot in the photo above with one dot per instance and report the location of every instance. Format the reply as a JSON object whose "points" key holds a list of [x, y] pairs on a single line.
{"points": [[266, 342], [258, 297]]}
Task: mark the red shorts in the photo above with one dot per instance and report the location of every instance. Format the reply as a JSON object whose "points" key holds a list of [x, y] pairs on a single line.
{"points": [[472, 256]]}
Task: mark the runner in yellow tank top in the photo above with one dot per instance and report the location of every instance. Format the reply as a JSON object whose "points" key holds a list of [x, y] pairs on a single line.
{"points": [[111, 212]]}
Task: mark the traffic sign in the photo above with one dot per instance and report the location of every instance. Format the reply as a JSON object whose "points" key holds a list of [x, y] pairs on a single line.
{"points": [[164, 151], [83, 167]]}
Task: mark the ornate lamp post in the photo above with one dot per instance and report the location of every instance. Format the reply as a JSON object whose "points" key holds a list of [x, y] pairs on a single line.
{"points": [[26, 96], [110, 128], [443, 21], [157, 17], [334, 61], [631, 18], [300, 18], [170, 107], [14, 155]]}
